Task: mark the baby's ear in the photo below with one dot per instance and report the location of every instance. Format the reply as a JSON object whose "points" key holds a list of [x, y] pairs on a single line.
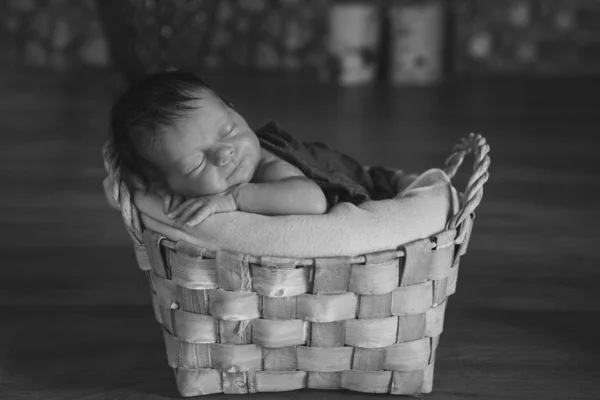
{"points": [[157, 186], [132, 181], [227, 102]]}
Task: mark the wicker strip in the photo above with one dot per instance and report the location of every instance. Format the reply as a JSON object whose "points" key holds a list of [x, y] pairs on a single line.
{"points": [[186, 354], [165, 292], [329, 308], [439, 290], [279, 359], [414, 299], [233, 306], [190, 327], [276, 282], [195, 301], [329, 359], [435, 341], [272, 381], [374, 278], [282, 333], [156, 309], [376, 332], [442, 255], [189, 249], [172, 347], [192, 272], [417, 262], [235, 332], [331, 276], [278, 307], [367, 381], [233, 272], [235, 382], [408, 356], [197, 382], [427, 385], [194, 355], [330, 334], [407, 383], [141, 256], [375, 306], [411, 327], [232, 358], [435, 320], [156, 254], [368, 359], [324, 380], [453, 278]]}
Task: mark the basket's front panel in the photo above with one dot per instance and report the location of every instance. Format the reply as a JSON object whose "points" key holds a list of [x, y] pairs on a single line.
{"points": [[231, 326]]}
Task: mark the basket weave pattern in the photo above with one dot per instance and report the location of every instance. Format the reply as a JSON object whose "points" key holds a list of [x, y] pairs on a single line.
{"points": [[236, 323]]}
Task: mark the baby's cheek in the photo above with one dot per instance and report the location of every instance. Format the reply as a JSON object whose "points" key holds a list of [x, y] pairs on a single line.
{"points": [[252, 146], [209, 183]]}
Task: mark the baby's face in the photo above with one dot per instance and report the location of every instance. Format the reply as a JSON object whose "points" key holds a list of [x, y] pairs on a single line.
{"points": [[208, 152]]}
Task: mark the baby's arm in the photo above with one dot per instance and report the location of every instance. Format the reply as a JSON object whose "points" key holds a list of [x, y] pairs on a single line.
{"points": [[279, 188]]}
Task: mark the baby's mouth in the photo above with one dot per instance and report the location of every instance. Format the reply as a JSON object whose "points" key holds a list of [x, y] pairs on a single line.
{"points": [[235, 169]]}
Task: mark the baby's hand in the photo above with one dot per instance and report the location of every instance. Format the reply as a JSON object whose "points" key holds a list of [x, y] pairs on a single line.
{"points": [[193, 211]]}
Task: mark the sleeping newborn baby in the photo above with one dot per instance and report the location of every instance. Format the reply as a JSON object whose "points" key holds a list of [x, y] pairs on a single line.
{"points": [[182, 140]]}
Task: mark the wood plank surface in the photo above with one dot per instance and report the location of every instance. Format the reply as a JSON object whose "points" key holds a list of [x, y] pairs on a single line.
{"points": [[77, 321]]}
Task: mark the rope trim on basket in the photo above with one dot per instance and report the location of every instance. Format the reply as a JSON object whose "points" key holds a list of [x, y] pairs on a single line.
{"points": [[121, 195], [474, 189]]}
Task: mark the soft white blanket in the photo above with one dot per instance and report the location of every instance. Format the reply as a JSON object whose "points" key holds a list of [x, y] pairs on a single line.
{"points": [[418, 211]]}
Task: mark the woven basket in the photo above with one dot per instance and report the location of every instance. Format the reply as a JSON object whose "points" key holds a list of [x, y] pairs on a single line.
{"points": [[237, 323]]}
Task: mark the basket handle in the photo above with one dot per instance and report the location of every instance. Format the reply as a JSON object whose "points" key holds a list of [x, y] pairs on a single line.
{"points": [[117, 189], [473, 194]]}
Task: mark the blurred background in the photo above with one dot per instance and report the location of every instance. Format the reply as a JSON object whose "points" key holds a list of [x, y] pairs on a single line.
{"points": [[446, 38], [390, 82]]}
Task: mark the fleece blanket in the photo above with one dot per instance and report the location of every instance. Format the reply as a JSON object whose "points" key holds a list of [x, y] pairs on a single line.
{"points": [[419, 210]]}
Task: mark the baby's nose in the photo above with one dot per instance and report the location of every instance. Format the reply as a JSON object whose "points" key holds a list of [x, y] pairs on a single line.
{"points": [[224, 155]]}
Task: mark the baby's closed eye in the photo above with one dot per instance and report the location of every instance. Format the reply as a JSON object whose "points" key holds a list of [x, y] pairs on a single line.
{"points": [[229, 131], [196, 168]]}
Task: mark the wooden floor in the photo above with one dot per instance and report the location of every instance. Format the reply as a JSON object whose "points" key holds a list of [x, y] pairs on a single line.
{"points": [[75, 312]]}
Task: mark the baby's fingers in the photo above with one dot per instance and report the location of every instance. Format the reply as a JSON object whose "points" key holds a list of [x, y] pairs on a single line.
{"points": [[183, 207], [167, 203], [200, 216], [189, 214]]}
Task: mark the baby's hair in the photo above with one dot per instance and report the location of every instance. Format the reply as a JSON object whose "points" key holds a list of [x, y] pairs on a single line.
{"points": [[141, 114]]}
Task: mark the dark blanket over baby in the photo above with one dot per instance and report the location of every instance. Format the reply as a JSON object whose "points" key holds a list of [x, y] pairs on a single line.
{"points": [[341, 178]]}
